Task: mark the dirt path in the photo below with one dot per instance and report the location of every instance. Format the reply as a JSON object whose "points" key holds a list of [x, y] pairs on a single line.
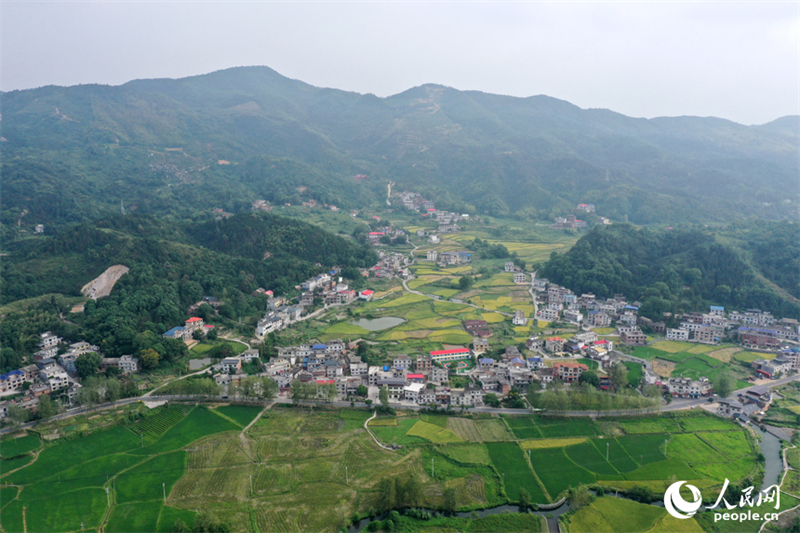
{"points": [[24, 520], [366, 426], [242, 435]]}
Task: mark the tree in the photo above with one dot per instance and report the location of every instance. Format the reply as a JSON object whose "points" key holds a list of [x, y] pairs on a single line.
{"points": [[301, 391], [579, 497], [491, 400], [383, 396], [641, 494], [113, 389], [197, 335], [269, 388], [88, 363], [724, 383], [590, 378], [17, 414], [212, 334], [524, 499], [368, 402], [465, 283], [47, 407], [362, 390], [413, 491], [248, 386], [651, 391], [619, 375], [386, 489], [149, 359], [450, 500]]}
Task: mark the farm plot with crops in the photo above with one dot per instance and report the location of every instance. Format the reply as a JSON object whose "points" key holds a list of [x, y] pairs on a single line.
{"points": [[312, 470], [510, 462]]}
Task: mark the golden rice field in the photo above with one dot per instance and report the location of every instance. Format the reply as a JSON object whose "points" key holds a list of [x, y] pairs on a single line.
{"points": [[672, 346], [551, 443]]}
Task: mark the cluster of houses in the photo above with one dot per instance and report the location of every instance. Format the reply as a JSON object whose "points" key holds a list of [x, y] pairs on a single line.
{"points": [[558, 303], [786, 361], [445, 259], [53, 373], [448, 220], [519, 275], [569, 222], [391, 265], [755, 400], [419, 380], [572, 222], [374, 237]]}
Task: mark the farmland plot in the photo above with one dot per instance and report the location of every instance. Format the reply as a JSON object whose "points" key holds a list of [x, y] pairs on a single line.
{"points": [[492, 430]]}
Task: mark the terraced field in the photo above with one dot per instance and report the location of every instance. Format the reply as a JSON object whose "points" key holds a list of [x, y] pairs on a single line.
{"points": [[311, 471]]}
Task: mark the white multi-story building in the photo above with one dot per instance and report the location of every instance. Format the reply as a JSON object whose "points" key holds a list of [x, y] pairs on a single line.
{"points": [[677, 334]]}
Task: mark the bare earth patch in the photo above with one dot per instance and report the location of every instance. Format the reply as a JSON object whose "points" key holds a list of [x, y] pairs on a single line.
{"points": [[725, 354], [663, 368]]}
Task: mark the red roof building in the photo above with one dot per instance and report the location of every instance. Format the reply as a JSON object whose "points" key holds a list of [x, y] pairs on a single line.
{"points": [[450, 355]]}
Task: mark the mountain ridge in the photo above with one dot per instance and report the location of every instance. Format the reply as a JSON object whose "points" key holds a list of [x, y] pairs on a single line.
{"points": [[532, 157]]}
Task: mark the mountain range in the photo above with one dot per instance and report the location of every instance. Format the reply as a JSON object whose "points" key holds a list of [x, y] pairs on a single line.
{"points": [[224, 139]]}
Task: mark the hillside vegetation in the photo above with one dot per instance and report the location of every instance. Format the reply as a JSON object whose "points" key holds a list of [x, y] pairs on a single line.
{"points": [[684, 269], [229, 137], [170, 269]]}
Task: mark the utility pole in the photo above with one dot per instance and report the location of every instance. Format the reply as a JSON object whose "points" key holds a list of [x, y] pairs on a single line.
{"points": [[164, 488], [251, 484], [108, 496], [607, 445], [665, 447], [433, 470], [346, 476]]}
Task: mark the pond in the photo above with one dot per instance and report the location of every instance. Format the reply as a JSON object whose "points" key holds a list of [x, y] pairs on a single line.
{"points": [[378, 324]]}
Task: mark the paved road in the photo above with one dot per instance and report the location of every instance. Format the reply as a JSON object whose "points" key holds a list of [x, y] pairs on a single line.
{"points": [[71, 413]]}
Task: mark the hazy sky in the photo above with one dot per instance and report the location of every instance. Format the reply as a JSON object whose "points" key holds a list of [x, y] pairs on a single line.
{"points": [[737, 60]]}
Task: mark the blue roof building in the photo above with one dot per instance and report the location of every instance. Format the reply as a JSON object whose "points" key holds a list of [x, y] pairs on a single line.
{"points": [[175, 332], [319, 347]]}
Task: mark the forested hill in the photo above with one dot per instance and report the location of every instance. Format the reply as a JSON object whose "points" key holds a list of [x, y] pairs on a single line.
{"points": [[679, 270], [229, 137], [170, 269], [220, 258]]}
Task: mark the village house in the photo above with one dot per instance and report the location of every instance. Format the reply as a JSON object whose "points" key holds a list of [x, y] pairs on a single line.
{"points": [[549, 315], [554, 344], [520, 277], [633, 336], [689, 388], [759, 338], [569, 372], [534, 343], [519, 318], [480, 344], [677, 334]]}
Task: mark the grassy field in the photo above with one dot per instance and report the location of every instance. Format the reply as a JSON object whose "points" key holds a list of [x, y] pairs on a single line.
{"points": [[618, 515], [311, 471], [19, 446], [511, 464]]}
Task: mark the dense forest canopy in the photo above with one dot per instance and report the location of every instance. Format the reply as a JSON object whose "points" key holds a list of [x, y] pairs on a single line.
{"points": [[683, 269], [170, 269], [224, 139]]}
